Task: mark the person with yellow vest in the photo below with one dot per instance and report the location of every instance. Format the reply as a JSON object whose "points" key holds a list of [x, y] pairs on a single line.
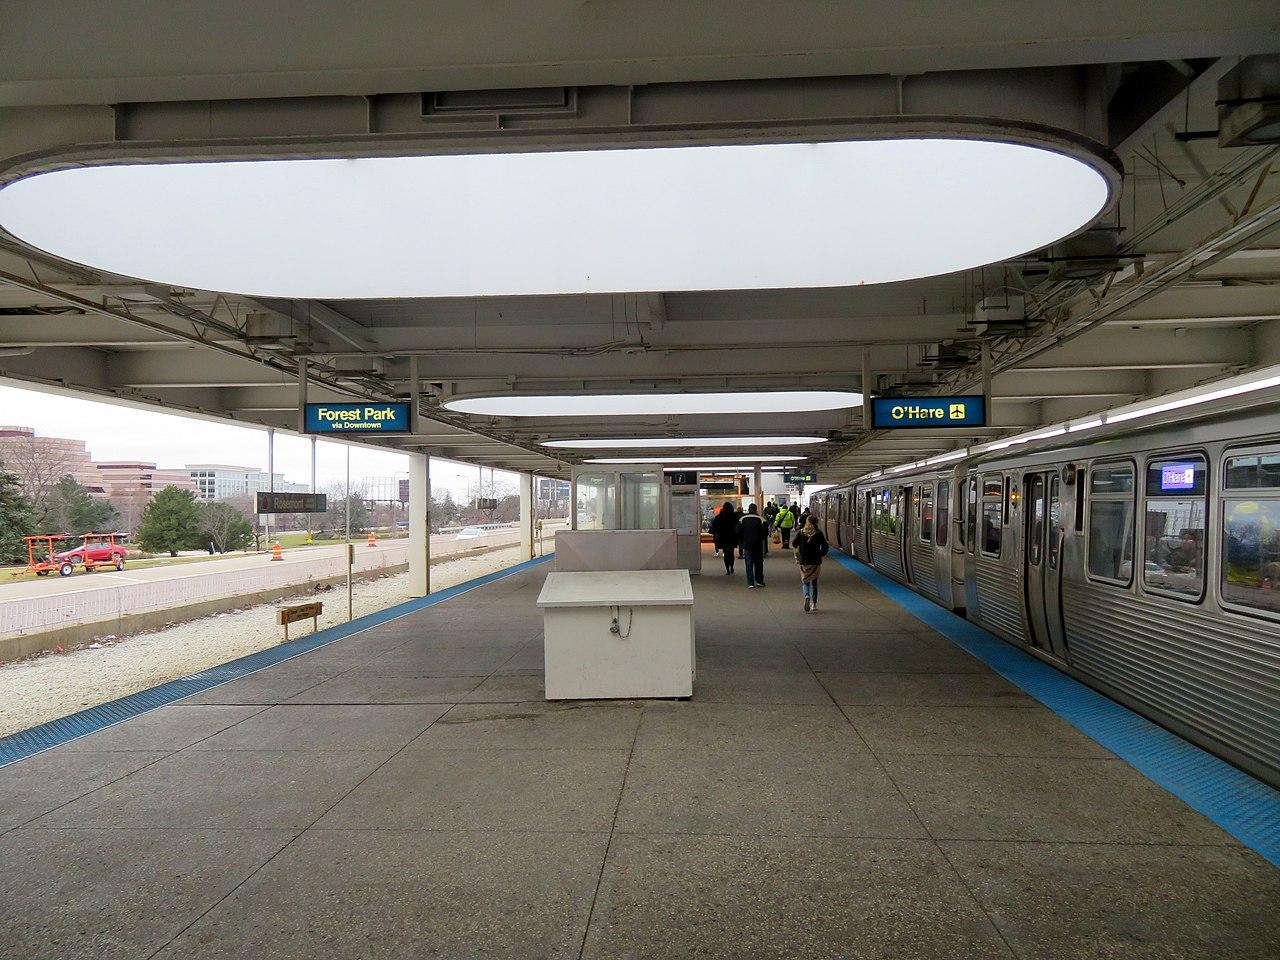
{"points": [[784, 520]]}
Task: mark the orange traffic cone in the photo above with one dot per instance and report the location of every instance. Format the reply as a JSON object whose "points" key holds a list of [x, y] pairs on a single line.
{"points": [[276, 552], [373, 540]]}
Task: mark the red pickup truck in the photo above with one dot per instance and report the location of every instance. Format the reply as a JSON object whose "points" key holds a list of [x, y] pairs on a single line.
{"points": [[96, 550]]}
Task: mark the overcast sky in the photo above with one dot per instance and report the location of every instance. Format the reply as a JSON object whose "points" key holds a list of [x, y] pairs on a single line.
{"points": [[123, 433]]}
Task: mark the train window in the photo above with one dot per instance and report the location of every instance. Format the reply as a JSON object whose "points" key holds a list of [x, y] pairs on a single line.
{"points": [[971, 518], [1251, 552], [993, 507], [926, 513], [944, 512], [1111, 478], [1174, 527], [1110, 548], [885, 519], [1035, 536], [1251, 532], [1079, 485], [1055, 522], [1252, 472]]}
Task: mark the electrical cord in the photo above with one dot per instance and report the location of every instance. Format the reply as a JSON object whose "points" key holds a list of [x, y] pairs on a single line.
{"points": [[615, 628]]}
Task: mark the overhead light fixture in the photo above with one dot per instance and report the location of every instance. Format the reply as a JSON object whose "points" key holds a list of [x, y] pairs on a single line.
{"points": [[622, 443], [746, 459], [738, 216], [722, 468], [654, 404]]}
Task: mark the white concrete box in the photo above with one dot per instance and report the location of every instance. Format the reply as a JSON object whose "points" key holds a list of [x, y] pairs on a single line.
{"points": [[651, 654]]}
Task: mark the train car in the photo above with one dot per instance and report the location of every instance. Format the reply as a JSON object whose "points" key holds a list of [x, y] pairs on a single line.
{"points": [[1143, 560]]}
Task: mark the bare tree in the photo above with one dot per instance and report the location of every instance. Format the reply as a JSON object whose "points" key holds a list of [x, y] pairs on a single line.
{"points": [[38, 467]]}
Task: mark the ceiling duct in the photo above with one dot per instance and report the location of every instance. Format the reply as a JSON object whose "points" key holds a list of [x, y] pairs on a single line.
{"points": [[998, 316], [1249, 103], [359, 366], [1086, 256], [269, 331]]}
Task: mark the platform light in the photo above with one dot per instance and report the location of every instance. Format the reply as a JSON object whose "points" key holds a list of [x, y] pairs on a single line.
{"points": [[747, 459], [658, 443], [707, 217], [654, 404]]}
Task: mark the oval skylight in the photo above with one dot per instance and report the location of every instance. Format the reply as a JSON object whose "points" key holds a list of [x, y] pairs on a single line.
{"points": [[745, 458], [653, 404], [658, 443], [591, 221]]}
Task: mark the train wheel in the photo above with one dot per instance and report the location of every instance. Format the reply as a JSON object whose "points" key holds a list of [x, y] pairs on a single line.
{"points": [[66, 570]]}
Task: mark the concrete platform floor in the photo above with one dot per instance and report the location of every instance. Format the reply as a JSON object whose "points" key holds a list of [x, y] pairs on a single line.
{"points": [[846, 784]]}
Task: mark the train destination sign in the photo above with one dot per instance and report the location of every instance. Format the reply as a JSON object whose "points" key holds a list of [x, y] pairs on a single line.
{"points": [[796, 477], [268, 502], [357, 418], [891, 413]]}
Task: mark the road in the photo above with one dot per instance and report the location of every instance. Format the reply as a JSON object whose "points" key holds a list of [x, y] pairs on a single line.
{"points": [[301, 557]]}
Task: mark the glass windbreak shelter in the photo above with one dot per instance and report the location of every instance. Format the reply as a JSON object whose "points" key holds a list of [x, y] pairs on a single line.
{"points": [[623, 498]]}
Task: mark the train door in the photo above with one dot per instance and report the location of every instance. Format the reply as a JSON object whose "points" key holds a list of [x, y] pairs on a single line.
{"points": [[1042, 558]]}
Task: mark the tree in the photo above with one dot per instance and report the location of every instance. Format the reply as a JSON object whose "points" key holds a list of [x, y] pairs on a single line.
{"points": [[38, 467], [444, 511], [224, 526], [15, 520], [170, 522], [335, 517], [70, 508]]}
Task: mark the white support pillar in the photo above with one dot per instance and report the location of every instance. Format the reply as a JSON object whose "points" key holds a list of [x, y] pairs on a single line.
{"points": [[526, 516], [419, 525], [757, 487]]}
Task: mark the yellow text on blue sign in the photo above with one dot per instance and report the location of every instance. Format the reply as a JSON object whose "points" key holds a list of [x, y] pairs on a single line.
{"points": [[357, 417], [896, 412]]}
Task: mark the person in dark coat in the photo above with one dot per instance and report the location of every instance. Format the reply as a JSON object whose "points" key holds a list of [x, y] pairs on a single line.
{"points": [[753, 534], [724, 532], [810, 547]]}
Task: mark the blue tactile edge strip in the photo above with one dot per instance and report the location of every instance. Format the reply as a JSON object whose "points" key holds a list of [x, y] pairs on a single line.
{"points": [[26, 743], [1246, 808]]}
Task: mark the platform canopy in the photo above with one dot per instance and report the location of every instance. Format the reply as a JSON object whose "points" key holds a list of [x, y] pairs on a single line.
{"points": [[568, 232]]}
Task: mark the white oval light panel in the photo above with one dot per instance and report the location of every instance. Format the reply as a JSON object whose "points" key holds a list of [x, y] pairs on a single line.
{"points": [[653, 404], [639, 443], [591, 221]]}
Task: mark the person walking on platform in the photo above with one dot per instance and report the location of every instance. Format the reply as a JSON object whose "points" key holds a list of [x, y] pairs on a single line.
{"points": [[724, 532], [811, 547], [753, 535], [769, 512], [784, 521]]}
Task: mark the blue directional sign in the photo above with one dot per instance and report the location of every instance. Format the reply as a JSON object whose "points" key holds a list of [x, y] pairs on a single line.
{"points": [[357, 418], [892, 413]]}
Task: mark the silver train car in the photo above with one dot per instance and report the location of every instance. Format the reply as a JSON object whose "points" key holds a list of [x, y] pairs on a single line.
{"points": [[1143, 561]]}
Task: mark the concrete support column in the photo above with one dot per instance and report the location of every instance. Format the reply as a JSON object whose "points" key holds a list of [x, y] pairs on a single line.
{"points": [[757, 487], [419, 525], [526, 516]]}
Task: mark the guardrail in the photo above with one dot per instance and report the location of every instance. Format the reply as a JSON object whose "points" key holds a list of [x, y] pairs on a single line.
{"points": [[40, 614]]}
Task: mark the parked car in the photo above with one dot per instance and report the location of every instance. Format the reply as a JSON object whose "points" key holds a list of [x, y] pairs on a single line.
{"points": [[96, 550]]}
